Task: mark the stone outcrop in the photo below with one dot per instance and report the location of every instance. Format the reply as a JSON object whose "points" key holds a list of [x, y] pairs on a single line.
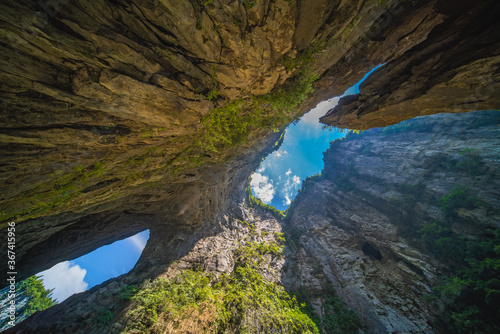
{"points": [[104, 109], [445, 72], [356, 225]]}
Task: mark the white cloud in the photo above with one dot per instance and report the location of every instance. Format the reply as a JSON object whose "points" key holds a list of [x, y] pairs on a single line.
{"points": [[66, 279], [262, 187], [138, 241], [279, 154], [313, 116], [261, 169], [287, 201], [287, 189]]}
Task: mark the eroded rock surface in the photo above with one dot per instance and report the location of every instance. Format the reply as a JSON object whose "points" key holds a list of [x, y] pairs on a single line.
{"points": [[353, 228], [446, 71], [357, 224], [102, 102], [104, 107]]}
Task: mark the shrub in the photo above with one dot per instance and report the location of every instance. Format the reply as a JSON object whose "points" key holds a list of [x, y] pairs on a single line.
{"points": [[127, 292], [39, 298], [233, 301], [102, 317]]}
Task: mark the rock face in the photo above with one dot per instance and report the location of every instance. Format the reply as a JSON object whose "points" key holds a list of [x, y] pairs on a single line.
{"points": [[357, 224], [444, 72], [350, 227], [108, 107], [119, 117]]}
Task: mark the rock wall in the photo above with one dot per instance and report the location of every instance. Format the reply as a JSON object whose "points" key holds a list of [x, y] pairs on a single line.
{"points": [[357, 224], [348, 228], [445, 72], [104, 109], [102, 103], [105, 105]]}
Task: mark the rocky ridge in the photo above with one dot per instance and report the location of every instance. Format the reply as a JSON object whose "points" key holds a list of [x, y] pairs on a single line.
{"points": [[106, 111]]}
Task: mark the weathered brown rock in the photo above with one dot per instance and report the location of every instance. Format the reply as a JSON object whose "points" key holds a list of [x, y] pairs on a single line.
{"points": [[102, 103], [455, 68]]}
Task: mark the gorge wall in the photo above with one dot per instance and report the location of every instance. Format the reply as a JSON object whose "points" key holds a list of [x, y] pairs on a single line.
{"points": [[119, 117], [359, 225], [352, 233], [446, 72]]}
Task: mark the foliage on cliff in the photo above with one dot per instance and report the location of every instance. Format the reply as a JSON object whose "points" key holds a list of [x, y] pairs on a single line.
{"points": [[472, 294], [240, 302], [230, 124], [39, 298], [336, 317]]}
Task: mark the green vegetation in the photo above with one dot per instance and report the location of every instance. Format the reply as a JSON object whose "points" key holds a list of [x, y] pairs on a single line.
{"points": [[337, 318], [206, 2], [292, 238], [225, 127], [59, 192], [255, 202], [229, 303], [230, 124], [472, 293], [39, 298], [457, 199], [127, 292], [350, 27], [469, 162], [102, 317], [306, 58], [249, 3]]}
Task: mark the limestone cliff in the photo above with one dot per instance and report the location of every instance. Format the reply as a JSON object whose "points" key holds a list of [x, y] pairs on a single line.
{"points": [[110, 107], [355, 229], [119, 116], [359, 225], [446, 72]]}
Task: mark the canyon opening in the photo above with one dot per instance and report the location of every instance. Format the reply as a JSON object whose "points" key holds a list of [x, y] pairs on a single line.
{"points": [[165, 121]]}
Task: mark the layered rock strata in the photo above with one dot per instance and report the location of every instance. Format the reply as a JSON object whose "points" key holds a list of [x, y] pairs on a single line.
{"points": [[347, 228], [446, 72], [357, 224]]}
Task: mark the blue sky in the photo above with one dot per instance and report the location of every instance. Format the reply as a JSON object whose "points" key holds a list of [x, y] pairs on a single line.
{"points": [[83, 273], [276, 182], [280, 175]]}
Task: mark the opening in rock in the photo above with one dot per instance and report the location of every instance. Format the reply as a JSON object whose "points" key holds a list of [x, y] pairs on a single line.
{"points": [[280, 175], [58, 283], [370, 250]]}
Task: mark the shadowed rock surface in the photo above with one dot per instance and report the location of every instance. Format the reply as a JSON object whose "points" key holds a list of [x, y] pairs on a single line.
{"points": [[119, 117], [378, 189], [454, 69]]}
